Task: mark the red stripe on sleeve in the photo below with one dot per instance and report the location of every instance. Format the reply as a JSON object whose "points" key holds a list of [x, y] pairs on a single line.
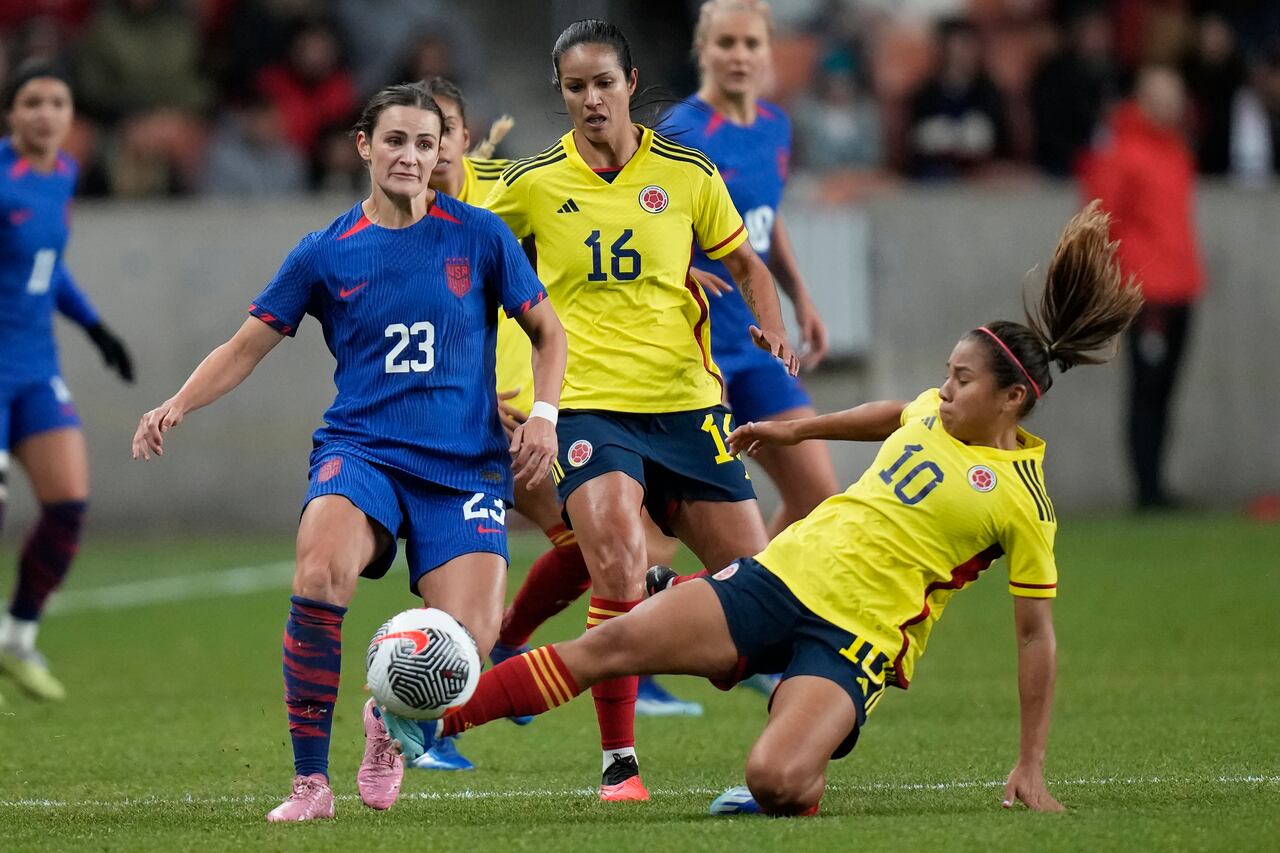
{"points": [[727, 240], [1033, 585]]}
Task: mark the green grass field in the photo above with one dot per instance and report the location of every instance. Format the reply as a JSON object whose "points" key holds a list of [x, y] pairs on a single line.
{"points": [[1166, 732]]}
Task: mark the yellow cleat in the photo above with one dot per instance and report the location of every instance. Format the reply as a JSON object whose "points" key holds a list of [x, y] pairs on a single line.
{"points": [[30, 670]]}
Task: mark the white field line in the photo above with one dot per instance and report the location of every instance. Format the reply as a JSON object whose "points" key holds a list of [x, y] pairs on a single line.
{"points": [[238, 581], [467, 794]]}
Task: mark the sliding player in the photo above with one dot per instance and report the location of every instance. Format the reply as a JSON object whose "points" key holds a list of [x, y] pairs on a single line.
{"points": [[38, 419], [405, 286], [843, 601]]}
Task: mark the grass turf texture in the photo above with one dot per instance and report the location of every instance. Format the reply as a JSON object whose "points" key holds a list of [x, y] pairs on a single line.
{"points": [[174, 736]]}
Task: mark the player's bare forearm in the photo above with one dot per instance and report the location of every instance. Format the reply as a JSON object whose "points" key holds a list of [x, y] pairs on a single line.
{"points": [[756, 286], [550, 351], [228, 365], [1037, 671], [868, 422]]}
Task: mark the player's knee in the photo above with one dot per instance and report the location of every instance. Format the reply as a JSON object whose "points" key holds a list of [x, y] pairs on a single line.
{"points": [[319, 576], [781, 785], [617, 566]]}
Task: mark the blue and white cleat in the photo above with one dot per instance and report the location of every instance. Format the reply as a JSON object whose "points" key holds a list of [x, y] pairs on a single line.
{"points": [[762, 682], [736, 800], [501, 653], [414, 737], [654, 700], [443, 755]]}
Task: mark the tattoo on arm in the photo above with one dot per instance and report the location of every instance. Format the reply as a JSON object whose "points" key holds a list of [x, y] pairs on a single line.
{"points": [[749, 295]]}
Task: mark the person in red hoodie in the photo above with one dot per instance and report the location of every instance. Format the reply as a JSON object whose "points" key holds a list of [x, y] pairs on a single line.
{"points": [[1144, 173]]}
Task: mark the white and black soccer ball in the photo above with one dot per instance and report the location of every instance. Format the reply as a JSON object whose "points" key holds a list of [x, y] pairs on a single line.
{"points": [[421, 663]]}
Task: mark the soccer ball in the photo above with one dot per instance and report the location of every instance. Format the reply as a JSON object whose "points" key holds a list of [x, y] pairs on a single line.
{"points": [[421, 663]]}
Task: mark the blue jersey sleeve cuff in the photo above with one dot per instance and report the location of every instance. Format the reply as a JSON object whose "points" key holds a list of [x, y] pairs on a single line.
{"points": [[514, 311], [281, 325]]}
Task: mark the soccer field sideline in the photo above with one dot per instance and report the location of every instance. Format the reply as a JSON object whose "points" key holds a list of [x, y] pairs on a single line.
{"points": [[527, 793]]}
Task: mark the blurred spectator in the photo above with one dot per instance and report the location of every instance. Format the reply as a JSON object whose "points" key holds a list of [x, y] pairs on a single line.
{"points": [[254, 35], [248, 155], [312, 89], [839, 125], [1071, 90], [138, 56], [1214, 72], [1255, 125], [138, 67], [380, 33], [69, 15], [337, 167], [1145, 175], [958, 125], [429, 55]]}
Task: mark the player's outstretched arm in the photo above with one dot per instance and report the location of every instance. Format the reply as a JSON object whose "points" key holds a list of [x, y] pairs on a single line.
{"points": [[1037, 669], [223, 369], [753, 279], [533, 443], [868, 422], [783, 265]]}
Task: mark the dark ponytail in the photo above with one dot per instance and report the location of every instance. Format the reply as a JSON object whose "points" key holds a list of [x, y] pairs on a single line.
{"points": [[1085, 304]]}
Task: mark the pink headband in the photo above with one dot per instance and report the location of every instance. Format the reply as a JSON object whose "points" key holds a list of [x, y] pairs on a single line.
{"points": [[1012, 357]]}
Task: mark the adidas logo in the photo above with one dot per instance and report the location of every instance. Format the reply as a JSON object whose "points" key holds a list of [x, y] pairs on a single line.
{"points": [[569, 206]]}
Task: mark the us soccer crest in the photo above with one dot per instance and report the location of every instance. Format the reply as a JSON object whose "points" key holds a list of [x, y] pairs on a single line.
{"points": [[458, 272], [653, 198]]}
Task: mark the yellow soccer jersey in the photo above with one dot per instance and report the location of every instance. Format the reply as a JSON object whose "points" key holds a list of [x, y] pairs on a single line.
{"points": [[883, 558], [615, 260], [515, 353]]}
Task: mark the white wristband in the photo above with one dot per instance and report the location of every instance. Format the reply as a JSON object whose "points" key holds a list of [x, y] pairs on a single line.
{"points": [[544, 410]]}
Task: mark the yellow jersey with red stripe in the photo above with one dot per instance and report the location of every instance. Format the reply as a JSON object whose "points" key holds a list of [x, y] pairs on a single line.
{"points": [[884, 558], [614, 256], [515, 352]]}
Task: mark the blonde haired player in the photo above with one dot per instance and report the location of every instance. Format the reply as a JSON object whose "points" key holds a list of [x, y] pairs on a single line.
{"points": [[844, 600]]}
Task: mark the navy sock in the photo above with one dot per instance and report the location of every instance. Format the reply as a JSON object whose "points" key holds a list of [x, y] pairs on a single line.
{"points": [[312, 662], [46, 557]]}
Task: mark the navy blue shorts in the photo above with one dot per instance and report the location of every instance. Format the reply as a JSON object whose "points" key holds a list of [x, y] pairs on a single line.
{"points": [[35, 408], [757, 385], [774, 632], [436, 523], [675, 456]]}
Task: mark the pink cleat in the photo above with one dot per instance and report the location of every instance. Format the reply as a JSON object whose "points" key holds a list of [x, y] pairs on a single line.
{"points": [[312, 799], [382, 767]]}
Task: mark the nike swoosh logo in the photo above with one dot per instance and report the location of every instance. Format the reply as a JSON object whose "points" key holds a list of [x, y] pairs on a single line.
{"points": [[420, 639], [483, 529], [344, 292]]}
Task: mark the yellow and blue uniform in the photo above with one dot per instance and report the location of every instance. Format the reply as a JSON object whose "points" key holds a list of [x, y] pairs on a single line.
{"points": [[641, 392], [879, 562]]}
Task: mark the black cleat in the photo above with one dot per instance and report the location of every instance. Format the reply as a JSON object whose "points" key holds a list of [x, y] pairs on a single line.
{"points": [[658, 578], [621, 781]]}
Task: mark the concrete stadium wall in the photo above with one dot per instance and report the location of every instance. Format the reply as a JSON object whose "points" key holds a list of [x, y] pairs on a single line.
{"points": [[174, 280]]}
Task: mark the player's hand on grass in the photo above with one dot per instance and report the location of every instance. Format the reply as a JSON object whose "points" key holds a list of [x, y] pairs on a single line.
{"points": [[775, 343], [712, 283], [1026, 783], [510, 416], [149, 437], [533, 447], [813, 336], [752, 436]]}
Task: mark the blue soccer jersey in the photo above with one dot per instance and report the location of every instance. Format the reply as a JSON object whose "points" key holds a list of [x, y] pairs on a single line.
{"points": [[753, 161], [411, 316], [34, 211]]}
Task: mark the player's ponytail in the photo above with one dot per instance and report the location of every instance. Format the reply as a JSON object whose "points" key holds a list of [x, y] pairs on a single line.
{"points": [[1085, 304]]}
